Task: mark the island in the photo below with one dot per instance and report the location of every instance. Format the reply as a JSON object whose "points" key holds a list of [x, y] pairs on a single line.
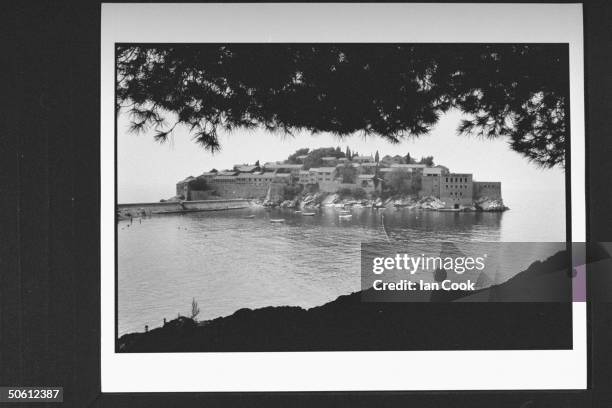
{"points": [[328, 176]]}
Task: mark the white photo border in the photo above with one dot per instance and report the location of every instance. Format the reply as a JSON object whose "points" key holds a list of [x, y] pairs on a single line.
{"points": [[336, 22]]}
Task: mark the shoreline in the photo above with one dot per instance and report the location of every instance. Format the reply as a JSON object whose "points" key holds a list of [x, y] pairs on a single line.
{"points": [[335, 200], [307, 201], [350, 323], [134, 210]]}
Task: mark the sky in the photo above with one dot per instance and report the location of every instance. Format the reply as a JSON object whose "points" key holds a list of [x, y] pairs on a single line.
{"points": [[148, 171]]}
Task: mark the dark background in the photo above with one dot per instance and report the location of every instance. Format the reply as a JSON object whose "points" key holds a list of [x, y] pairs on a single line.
{"points": [[49, 238]]}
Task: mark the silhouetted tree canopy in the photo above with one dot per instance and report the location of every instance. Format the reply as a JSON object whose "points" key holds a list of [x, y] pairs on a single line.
{"points": [[519, 92]]}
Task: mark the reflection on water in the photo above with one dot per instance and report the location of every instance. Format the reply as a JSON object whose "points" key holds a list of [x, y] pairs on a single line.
{"points": [[227, 261]]}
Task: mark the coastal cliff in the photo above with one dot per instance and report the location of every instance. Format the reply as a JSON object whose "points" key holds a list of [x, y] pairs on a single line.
{"points": [[348, 323]]}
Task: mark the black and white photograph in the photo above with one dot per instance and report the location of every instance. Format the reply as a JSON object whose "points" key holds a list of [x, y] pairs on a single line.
{"points": [[319, 201], [306, 204], [250, 175]]}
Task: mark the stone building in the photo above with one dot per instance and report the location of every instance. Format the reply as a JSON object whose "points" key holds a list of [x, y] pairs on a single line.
{"points": [[363, 159], [366, 182], [456, 189], [323, 174], [367, 168], [245, 168], [488, 189], [182, 188], [430, 181], [430, 185], [305, 177], [329, 160], [435, 171], [247, 185], [283, 168], [413, 168]]}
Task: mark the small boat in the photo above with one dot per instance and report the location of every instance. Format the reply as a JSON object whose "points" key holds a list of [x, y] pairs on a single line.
{"points": [[346, 216], [250, 216], [277, 220], [298, 211], [309, 214], [344, 212]]}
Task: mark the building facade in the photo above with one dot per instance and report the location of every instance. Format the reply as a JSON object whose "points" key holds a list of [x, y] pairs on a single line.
{"points": [[487, 189], [456, 190], [430, 185]]}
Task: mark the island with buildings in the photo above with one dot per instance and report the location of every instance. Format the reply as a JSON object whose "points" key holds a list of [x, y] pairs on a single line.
{"points": [[329, 176]]}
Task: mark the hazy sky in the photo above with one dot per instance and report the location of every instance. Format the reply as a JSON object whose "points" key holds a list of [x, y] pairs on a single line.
{"points": [[148, 171]]}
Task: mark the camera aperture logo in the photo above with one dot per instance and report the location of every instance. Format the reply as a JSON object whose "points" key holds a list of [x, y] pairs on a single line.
{"points": [[406, 263]]}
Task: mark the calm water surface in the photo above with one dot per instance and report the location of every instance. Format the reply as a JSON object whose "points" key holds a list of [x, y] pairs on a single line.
{"points": [[227, 262]]}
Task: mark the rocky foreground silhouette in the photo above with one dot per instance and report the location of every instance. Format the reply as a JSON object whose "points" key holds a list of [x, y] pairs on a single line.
{"points": [[530, 311]]}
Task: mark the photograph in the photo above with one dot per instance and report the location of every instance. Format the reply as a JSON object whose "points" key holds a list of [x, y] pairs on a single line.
{"points": [[306, 204], [250, 177]]}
